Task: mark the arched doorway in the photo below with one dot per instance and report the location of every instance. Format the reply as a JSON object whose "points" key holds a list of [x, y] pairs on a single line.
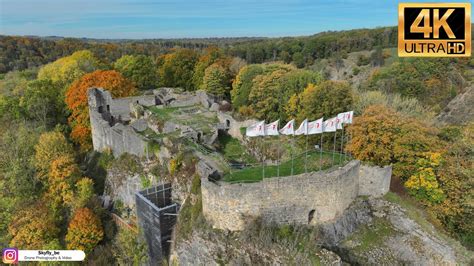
{"points": [[311, 216]]}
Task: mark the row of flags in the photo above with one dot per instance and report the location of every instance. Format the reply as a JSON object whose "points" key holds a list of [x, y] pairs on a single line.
{"points": [[306, 128]]}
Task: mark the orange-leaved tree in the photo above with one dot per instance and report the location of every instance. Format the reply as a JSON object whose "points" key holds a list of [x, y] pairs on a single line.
{"points": [[85, 230], [382, 136], [76, 100]]}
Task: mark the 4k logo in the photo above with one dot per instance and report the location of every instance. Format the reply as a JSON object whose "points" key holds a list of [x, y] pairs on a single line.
{"points": [[434, 30]]}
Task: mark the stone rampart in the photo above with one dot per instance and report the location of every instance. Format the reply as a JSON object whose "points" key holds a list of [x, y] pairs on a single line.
{"points": [[311, 198]]}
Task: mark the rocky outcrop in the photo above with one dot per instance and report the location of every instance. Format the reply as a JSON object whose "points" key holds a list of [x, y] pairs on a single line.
{"points": [[372, 231], [375, 231], [459, 110]]}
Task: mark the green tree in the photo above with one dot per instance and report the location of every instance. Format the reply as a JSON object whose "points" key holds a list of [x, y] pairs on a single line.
{"points": [[176, 69], [243, 84], [130, 248], [84, 192], [140, 69], [216, 80], [42, 102], [17, 182], [324, 100], [265, 97]]}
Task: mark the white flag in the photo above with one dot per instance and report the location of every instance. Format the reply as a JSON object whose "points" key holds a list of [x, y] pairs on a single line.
{"points": [[303, 129], [255, 130], [346, 117], [272, 129], [338, 122], [315, 127], [330, 125], [289, 128]]}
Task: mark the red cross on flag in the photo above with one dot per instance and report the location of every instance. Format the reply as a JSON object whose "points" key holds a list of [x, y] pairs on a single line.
{"points": [[289, 128], [272, 129], [330, 125], [315, 127], [256, 130], [346, 117], [303, 129]]}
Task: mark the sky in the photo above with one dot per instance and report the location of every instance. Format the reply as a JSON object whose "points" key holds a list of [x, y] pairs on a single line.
{"points": [[137, 19]]}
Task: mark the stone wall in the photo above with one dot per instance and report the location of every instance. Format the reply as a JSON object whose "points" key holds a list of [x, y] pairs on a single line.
{"points": [[302, 199], [374, 180], [312, 198], [107, 128]]}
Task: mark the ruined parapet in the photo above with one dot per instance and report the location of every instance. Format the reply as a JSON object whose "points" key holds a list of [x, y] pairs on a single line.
{"points": [[156, 215], [107, 118], [374, 180], [312, 198], [233, 126]]}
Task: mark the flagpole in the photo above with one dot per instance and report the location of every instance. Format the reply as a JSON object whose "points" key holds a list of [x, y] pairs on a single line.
{"points": [[334, 150], [321, 152], [263, 160], [278, 160], [292, 147], [342, 143], [306, 155]]}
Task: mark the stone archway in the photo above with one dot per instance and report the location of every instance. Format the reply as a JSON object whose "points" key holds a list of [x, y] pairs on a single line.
{"points": [[311, 216]]}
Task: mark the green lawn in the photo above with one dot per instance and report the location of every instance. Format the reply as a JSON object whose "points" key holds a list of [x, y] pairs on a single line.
{"points": [[254, 174]]}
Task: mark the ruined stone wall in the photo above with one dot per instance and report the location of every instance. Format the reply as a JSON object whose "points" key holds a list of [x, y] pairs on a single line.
{"points": [[117, 137], [312, 198], [302, 199], [374, 180]]}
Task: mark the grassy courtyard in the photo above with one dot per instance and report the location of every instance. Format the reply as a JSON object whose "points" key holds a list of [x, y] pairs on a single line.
{"points": [[315, 161]]}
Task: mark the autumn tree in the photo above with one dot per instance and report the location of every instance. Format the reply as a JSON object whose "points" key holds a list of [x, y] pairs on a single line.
{"points": [[176, 69], [216, 80], [324, 100], [140, 69], [62, 177], [51, 146], [210, 56], [33, 227], [84, 231], [67, 69], [76, 100], [423, 184], [383, 137]]}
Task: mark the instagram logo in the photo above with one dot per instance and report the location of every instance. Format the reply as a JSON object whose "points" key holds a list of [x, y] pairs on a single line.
{"points": [[10, 255]]}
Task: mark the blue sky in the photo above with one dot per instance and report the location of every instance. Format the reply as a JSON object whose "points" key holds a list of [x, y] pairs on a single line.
{"points": [[186, 18]]}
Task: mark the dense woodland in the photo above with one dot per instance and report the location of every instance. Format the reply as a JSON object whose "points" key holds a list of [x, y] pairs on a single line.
{"points": [[50, 178]]}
